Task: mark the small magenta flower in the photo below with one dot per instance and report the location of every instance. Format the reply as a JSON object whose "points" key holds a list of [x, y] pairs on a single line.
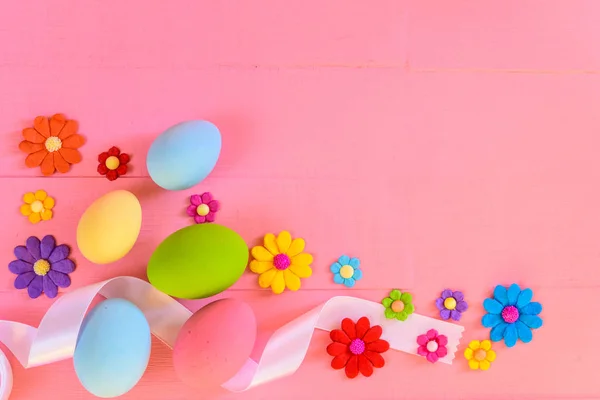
{"points": [[432, 345], [203, 208]]}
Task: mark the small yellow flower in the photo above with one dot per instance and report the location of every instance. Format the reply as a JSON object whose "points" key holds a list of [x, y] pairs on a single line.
{"points": [[37, 207], [480, 354], [281, 262]]}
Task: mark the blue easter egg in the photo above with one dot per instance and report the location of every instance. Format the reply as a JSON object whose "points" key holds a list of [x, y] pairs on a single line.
{"points": [[113, 348], [183, 155]]}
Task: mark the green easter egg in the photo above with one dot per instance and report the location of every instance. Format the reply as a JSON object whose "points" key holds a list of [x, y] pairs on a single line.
{"points": [[198, 261]]}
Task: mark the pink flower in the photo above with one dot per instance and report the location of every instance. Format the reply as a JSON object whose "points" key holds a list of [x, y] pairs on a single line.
{"points": [[432, 346], [203, 208]]}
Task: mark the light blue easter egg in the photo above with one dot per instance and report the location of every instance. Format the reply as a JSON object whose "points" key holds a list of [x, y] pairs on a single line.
{"points": [[113, 348], [183, 155]]}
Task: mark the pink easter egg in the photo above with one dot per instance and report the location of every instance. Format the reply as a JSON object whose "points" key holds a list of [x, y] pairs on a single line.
{"points": [[214, 343]]}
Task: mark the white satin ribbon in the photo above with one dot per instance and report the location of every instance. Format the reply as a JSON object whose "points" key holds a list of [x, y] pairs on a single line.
{"points": [[56, 337]]}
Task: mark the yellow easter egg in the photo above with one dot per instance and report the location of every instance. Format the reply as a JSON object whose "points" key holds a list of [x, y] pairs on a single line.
{"points": [[109, 227]]}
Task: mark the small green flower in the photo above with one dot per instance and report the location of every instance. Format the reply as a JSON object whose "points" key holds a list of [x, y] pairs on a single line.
{"points": [[399, 305]]}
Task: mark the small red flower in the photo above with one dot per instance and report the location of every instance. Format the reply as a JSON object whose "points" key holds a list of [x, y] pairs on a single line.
{"points": [[357, 347], [113, 163]]}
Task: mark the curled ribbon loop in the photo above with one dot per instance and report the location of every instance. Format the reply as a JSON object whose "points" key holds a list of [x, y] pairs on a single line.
{"points": [[56, 337]]}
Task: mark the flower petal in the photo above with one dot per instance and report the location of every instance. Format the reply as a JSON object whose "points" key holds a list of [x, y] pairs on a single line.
{"points": [[378, 346], [409, 308], [48, 203], [338, 335], [302, 271], [34, 218], [510, 335], [266, 278], [406, 298], [462, 306], [278, 284], [455, 315], [40, 195], [32, 136], [513, 293], [60, 163], [47, 166], [210, 217], [422, 351], [335, 267], [23, 280], [486, 345], [442, 351], [344, 260], [29, 198], [284, 240], [296, 247], [337, 278], [214, 206], [491, 320], [349, 328], [195, 199], [35, 159], [57, 123], [439, 304], [389, 313], [402, 315], [473, 364], [206, 197], [72, 156], [474, 344], [302, 259], [33, 246], [432, 334], [445, 314], [352, 367], [375, 358], [60, 279], [484, 365], [446, 293], [501, 295], [73, 141], [523, 332], [442, 340], [432, 357], [60, 253], [28, 147], [270, 243], [36, 287], [25, 210], [458, 296], [373, 334], [292, 281], [524, 298], [491, 355], [532, 321], [492, 306], [261, 254], [19, 267], [46, 246], [349, 282], [468, 353], [422, 340], [65, 266], [49, 287], [42, 125], [191, 210], [395, 294], [497, 332], [387, 302], [199, 219], [336, 348], [46, 215], [70, 128], [258, 267], [357, 274], [340, 360], [354, 263], [362, 326], [364, 365], [533, 308], [22, 254]]}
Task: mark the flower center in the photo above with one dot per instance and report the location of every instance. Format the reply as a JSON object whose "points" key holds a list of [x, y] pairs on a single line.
{"points": [[346, 271], [202, 210], [37, 206], [53, 144], [432, 346], [450, 303], [112, 163], [357, 346], [41, 267], [510, 314], [398, 306], [281, 261], [480, 354]]}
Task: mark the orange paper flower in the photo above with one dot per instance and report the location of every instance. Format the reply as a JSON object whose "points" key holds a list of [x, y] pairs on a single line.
{"points": [[52, 144]]}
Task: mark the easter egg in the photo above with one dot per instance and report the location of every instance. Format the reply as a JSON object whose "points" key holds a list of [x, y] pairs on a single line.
{"points": [[198, 261], [184, 154], [113, 348], [214, 343], [109, 227]]}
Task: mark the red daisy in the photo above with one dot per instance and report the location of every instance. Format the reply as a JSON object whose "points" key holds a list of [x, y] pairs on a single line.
{"points": [[113, 163], [357, 347]]}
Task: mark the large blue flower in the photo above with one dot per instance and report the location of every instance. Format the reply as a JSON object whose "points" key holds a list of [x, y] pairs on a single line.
{"points": [[346, 271], [511, 315]]}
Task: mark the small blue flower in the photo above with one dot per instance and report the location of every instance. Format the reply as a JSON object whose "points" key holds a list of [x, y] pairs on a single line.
{"points": [[346, 271], [511, 315]]}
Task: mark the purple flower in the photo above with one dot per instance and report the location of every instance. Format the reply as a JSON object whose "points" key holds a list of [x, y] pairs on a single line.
{"points": [[451, 304], [203, 208], [42, 266]]}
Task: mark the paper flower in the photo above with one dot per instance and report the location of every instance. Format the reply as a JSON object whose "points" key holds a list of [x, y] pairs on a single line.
{"points": [[357, 347], [480, 354], [399, 305], [52, 144], [42, 266], [432, 346], [281, 262], [451, 305], [113, 163], [511, 315], [203, 208], [346, 271], [37, 207]]}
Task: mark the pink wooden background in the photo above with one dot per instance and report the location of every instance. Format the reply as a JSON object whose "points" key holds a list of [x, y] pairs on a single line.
{"points": [[446, 143]]}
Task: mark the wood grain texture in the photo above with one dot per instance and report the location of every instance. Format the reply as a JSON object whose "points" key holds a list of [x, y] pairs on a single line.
{"points": [[447, 144]]}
